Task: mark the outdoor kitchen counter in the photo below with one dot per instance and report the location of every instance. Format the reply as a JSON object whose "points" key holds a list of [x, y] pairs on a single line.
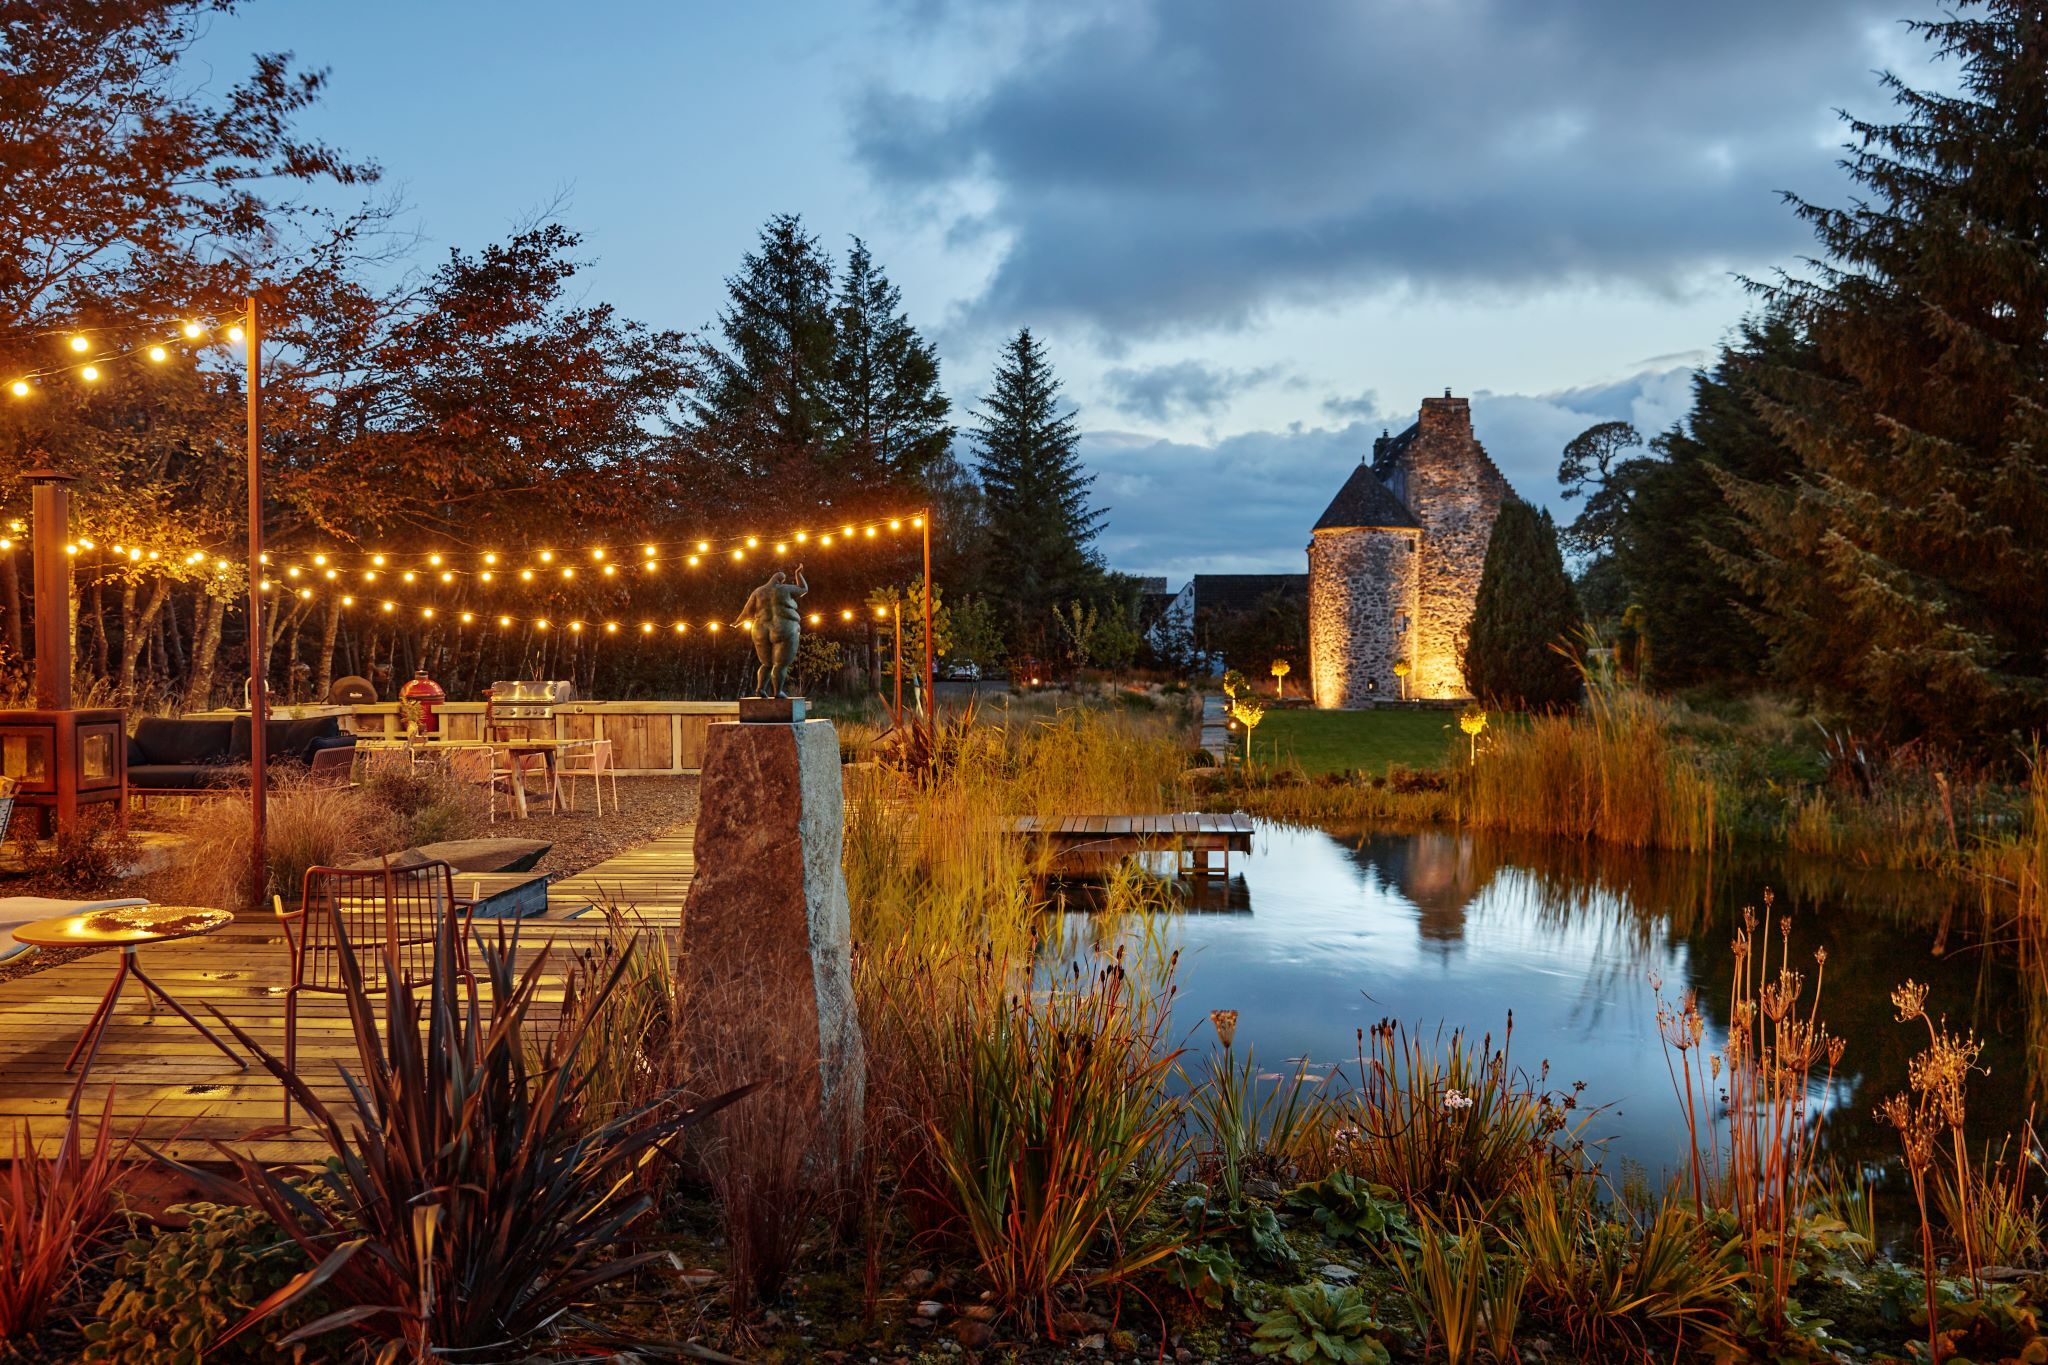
{"points": [[649, 738]]}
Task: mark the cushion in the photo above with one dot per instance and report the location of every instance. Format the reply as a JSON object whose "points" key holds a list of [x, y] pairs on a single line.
{"points": [[282, 738], [329, 742], [179, 740], [186, 776]]}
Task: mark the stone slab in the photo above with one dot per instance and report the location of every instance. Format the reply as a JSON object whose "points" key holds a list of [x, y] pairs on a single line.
{"points": [[470, 855], [765, 959]]}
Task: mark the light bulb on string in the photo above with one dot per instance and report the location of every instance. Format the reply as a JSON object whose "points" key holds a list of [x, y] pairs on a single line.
{"points": [[20, 387], [193, 331], [159, 354], [81, 345], [90, 374], [235, 333]]}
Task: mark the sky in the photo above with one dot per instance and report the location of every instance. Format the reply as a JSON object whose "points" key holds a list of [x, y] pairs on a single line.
{"points": [[1251, 235]]}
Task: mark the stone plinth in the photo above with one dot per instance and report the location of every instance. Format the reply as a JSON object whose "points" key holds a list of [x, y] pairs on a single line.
{"points": [[764, 973]]}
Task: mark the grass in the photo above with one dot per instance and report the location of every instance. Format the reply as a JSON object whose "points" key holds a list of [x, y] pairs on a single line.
{"points": [[1355, 741]]}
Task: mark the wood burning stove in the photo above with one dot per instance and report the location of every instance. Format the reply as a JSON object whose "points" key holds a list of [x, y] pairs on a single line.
{"points": [[62, 757], [65, 759]]}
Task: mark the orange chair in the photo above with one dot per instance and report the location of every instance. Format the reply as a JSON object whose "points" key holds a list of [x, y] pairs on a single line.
{"points": [[595, 763], [391, 916]]}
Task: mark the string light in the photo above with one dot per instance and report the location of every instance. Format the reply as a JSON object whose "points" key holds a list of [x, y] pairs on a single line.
{"points": [[90, 374], [80, 344], [159, 354]]}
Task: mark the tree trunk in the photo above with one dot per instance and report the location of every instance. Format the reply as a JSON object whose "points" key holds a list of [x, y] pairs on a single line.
{"points": [[10, 588], [205, 652], [323, 672], [136, 631]]}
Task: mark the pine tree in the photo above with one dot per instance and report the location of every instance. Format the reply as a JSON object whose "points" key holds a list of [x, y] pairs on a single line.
{"points": [[1524, 610], [1904, 574], [1036, 494], [888, 410], [764, 406]]}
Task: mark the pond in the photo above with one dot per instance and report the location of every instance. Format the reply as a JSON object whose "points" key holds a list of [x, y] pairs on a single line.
{"points": [[1322, 932]]}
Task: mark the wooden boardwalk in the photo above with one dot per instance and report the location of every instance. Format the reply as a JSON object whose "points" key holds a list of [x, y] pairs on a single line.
{"points": [[1088, 842], [173, 1088]]}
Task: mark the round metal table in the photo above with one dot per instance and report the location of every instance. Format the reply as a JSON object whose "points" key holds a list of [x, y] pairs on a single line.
{"points": [[129, 928]]}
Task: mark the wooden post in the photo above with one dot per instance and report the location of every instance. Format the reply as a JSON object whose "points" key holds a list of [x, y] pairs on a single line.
{"points": [[50, 533], [259, 710]]}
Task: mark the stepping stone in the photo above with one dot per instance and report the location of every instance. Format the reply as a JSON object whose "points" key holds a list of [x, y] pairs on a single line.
{"points": [[470, 855]]}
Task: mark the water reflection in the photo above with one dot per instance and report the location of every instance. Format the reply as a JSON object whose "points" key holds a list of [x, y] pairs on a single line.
{"points": [[1345, 927]]}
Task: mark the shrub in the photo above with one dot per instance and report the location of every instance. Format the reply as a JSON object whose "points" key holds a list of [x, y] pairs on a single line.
{"points": [[304, 826], [53, 1213], [85, 859], [466, 1209], [176, 1290], [1524, 612], [1319, 1324]]}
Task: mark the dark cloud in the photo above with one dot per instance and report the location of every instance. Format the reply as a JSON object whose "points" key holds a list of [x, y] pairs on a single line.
{"points": [[1185, 163], [1187, 387], [1363, 406], [1245, 504]]}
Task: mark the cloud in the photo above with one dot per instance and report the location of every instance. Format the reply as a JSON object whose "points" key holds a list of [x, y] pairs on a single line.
{"points": [[1364, 406], [1163, 392], [1171, 165], [1245, 504]]}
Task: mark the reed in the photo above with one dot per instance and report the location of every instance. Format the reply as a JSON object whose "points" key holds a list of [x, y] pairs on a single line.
{"points": [[1611, 771], [1452, 1130], [1758, 1167], [1054, 1139]]}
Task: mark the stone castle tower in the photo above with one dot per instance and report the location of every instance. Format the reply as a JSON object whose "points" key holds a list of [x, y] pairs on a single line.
{"points": [[1394, 563]]}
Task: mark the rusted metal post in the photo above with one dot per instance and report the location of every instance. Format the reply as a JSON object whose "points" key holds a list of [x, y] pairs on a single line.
{"points": [[259, 709], [896, 617], [50, 533], [931, 698]]}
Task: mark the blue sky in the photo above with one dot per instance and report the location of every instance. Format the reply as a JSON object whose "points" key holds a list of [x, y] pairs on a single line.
{"points": [[1251, 235]]}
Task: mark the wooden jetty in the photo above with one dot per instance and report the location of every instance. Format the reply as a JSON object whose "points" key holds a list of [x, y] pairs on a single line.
{"points": [[174, 1089], [1085, 844]]}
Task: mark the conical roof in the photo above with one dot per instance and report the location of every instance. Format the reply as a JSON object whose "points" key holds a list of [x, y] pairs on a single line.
{"points": [[1365, 501]]}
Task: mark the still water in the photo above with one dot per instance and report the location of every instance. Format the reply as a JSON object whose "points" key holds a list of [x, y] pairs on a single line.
{"points": [[1322, 932]]}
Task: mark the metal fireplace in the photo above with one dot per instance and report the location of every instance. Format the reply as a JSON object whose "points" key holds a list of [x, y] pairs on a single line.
{"points": [[62, 760], [61, 757]]}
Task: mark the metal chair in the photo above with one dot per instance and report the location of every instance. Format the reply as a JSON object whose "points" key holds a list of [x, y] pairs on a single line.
{"points": [[332, 767], [392, 916], [479, 766]]}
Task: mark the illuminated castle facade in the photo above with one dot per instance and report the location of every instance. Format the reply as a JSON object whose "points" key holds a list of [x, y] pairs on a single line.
{"points": [[1394, 563]]}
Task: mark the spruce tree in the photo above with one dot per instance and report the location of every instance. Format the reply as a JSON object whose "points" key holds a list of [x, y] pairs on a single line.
{"points": [[1524, 612], [1903, 575], [1674, 547], [764, 406], [1040, 526], [888, 411]]}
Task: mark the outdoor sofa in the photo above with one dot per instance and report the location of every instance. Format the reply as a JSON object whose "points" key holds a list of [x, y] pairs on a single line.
{"points": [[185, 755]]}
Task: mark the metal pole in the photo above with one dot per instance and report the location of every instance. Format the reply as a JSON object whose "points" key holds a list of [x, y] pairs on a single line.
{"points": [[931, 698], [259, 709], [896, 612]]}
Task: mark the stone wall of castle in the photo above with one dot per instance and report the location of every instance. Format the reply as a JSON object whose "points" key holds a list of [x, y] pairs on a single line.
{"points": [[1361, 613], [1455, 491]]}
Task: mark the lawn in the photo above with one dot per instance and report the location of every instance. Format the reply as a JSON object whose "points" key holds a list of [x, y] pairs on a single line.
{"points": [[1338, 741]]}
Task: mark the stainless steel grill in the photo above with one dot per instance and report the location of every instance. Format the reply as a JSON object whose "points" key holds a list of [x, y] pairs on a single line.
{"points": [[529, 699]]}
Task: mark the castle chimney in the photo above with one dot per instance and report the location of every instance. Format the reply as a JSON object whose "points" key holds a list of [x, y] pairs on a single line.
{"points": [[1446, 416]]}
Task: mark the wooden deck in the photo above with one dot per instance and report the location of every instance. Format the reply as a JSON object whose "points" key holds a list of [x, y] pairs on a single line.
{"points": [[179, 1093], [1087, 842]]}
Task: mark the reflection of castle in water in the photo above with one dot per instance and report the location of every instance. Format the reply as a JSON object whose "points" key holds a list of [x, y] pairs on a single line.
{"points": [[1439, 874]]}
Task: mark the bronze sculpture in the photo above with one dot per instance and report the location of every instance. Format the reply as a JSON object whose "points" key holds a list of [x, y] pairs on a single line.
{"points": [[772, 618]]}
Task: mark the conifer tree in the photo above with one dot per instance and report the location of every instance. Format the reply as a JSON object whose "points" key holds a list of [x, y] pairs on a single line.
{"points": [[1524, 611], [1903, 574], [888, 411], [764, 404], [1040, 526]]}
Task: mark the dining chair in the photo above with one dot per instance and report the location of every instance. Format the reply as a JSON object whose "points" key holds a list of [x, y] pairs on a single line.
{"points": [[391, 917], [594, 762]]}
